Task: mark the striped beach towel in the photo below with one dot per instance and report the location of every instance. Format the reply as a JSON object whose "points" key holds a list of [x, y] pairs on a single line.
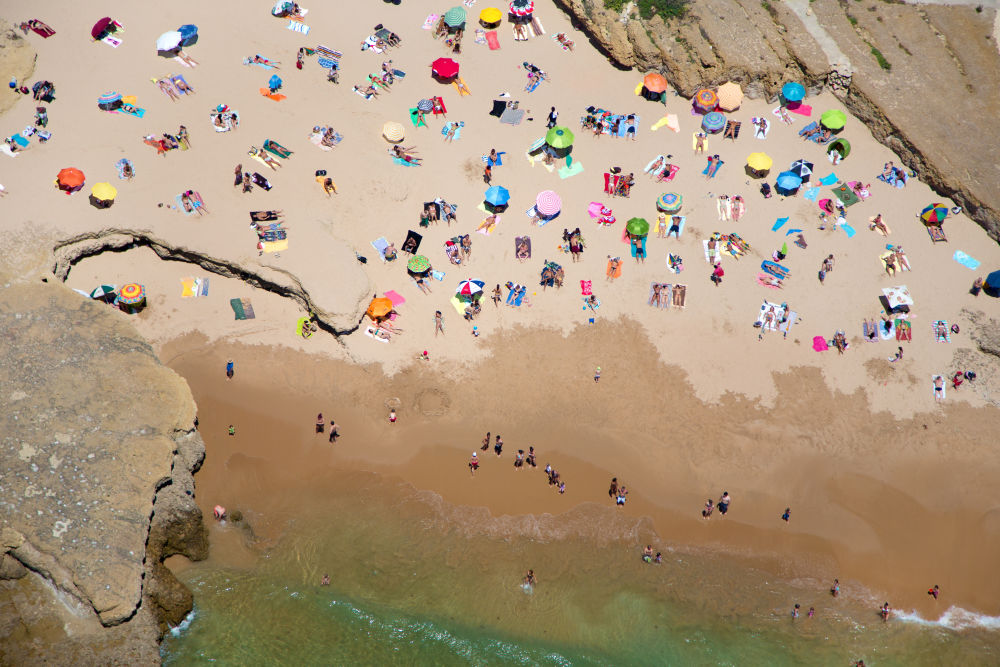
{"points": [[295, 26], [941, 332]]}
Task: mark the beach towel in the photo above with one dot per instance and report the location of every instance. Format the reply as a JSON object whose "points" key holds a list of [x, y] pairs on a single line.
{"points": [[617, 273], [941, 332], [668, 173], [261, 182], [869, 331], [790, 320], [944, 387], [850, 231], [437, 275], [277, 97], [811, 194], [633, 247], [415, 118], [861, 192], [412, 243], [715, 171], [120, 166], [670, 121], [680, 225], [800, 109], [664, 295], [203, 289], [678, 296], [377, 333], [430, 21], [767, 128], [404, 163], [659, 158], [904, 330], [137, 112], [492, 41], [792, 231], [512, 116], [765, 280], [936, 233], [536, 26], [458, 125], [486, 227], [396, 298], [846, 195], [380, 245], [886, 334], [585, 287], [733, 125], [180, 206], [514, 289], [274, 246], [778, 224], [112, 41], [712, 256], [242, 309], [182, 62], [248, 61], [174, 78], [819, 344], [189, 288], [297, 26], [571, 169], [694, 141], [517, 243], [461, 87], [965, 260], [829, 179], [534, 84], [778, 312]]}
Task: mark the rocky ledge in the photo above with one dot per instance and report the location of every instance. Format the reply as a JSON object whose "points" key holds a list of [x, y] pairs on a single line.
{"points": [[98, 448], [921, 77]]}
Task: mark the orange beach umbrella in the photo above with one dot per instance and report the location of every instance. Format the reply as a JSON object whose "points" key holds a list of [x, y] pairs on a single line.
{"points": [[654, 83], [379, 308], [70, 177]]}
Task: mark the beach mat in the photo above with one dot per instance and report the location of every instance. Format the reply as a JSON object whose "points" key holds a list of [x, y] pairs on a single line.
{"points": [[571, 170], [966, 260], [492, 41], [242, 309]]}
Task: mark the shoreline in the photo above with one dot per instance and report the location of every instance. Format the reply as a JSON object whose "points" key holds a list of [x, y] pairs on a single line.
{"points": [[837, 529]]}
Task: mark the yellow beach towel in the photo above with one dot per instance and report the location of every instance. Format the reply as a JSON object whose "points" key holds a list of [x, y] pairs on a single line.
{"points": [[188, 288], [694, 141], [275, 246]]}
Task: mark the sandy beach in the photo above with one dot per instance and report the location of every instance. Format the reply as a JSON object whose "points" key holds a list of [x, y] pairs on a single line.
{"points": [[890, 491]]}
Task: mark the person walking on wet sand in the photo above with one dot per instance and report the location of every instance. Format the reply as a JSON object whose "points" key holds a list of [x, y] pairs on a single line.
{"points": [[620, 496], [787, 514], [934, 592], [723, 503], [474, 464], [498, 447], [709, 508], [835, 589], [885, 611], [230, 369], [325, 581], [613, 490], [392, 415], [597, 374], [320, 423], [530, 579], [486, 442], [334, 431], [232, 430]]}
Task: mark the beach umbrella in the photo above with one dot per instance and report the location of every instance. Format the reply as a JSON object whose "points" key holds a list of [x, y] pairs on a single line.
{"points": [[70, 178], [425, 105], [713, 122], [393, 132], [787, 183], [793, 92], [490, 17], [102, 27], [637, 227], [833, 119], [730, 96], [522, 7], [548, 203], [274, 82], [379, 308], [132, 294], [454, 17], [497, 195], [418, 264], [934, 214], [842, 146], [993, 282], [654, 82], [104, 192], [669, 202], [169, 41], [705, 100], [281, 7], [189, 34], [470, 288], [559, 137], [109, 101], [802, 169], [102, 292], [759, 161], [445, 68], [897, 296]]}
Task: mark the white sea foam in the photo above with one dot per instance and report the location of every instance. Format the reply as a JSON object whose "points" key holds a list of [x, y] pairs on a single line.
{"points": [[954, 618], [183, 625]]}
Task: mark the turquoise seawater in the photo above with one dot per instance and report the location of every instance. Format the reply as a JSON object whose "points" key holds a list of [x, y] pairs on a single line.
{"points": [[416, 582]]}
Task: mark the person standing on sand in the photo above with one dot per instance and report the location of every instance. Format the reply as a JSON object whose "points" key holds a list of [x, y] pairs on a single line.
{"points": [[835, 589], [553, 116], [519, 460], [597, 374], [334, 431], [498, 447], [795, 610], [620, 497], [613, 490], [474, 464], [392, 415], [812, 612], [530, 460], [707, 512], [320, 423], [529, 578], [717, 274], [232, 430], [230, 369], [325, 581], [787, 514], [723, 503], [934, 592], [438, 323], [885, 611], [486, 442]]}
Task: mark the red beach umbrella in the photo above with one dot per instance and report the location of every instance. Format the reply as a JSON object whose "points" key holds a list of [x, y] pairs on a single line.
{"points": [[444, 68]]}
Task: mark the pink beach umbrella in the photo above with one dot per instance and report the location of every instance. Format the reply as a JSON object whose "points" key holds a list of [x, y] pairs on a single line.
{"points": [[548, 203]]}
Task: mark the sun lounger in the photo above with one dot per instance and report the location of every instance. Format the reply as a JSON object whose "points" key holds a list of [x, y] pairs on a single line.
{"points": [[936, 233], [734, 126]]}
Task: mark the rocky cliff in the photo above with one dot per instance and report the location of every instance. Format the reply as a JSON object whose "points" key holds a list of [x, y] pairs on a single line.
{"points": [[921, 77], [98, 448]]}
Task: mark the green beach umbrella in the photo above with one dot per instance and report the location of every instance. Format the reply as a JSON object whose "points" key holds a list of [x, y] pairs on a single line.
{"points": [[454, 17], [418, 264], [559, 137], [637, 227], [102, 291], [833, 119]]}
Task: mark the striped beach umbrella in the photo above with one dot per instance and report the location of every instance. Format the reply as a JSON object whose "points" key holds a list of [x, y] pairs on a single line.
{"points": [[705, 100], [454, 17], [132, 294], [548, 203], [470, 288], [934, 214], [833, 119], [418, 264], [803, 169], [425, 105], [669, 202], [393, 132], [522, 7], [102, 292], [793, 92], [713, 122], [109, 101], [637, 227], [730, 96]]}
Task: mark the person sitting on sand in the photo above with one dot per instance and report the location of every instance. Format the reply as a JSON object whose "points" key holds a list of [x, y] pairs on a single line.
{"points": [[840, 342], [879, 224], [329, 186]]}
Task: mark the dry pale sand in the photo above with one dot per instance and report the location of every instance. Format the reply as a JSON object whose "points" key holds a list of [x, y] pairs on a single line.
{"points": [[821, 437]]}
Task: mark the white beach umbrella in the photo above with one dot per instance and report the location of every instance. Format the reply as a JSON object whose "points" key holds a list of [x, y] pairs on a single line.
{"points": [[169, 41], [898, 296]]}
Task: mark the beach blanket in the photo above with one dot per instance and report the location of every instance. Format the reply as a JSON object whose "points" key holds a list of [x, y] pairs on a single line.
{"points": [[670, 121], [430, 21], [380, 245], [492, 41], [942, 334], [846, 195], [570, 169], [242, 309], [112, 41], [120, 166], [944, 387], [819, 344], [778, 224], [757, 133], [965, 260], [297, 26], [718, 166], [829, 179]]}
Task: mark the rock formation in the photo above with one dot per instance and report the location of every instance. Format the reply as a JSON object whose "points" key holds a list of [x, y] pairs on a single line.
{"points": [[17, 60], [98, 449], [921, 77]]}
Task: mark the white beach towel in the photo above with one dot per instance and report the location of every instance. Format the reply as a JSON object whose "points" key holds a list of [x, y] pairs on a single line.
{"points": [[891, 335], [295, 26], [787, 325], [756, 131], [4, 148], [711, 256], [112, 41], [778, 312], [182, 61], [944, 386]]}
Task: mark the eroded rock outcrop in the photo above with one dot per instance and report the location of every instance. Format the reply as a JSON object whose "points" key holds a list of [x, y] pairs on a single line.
{"points": [[98, 450], [913, 68]]}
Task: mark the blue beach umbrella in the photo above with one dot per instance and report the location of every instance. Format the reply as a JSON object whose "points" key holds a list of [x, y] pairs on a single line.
{"points": [[787, 183], [713, 122], [993, 283], [189, 34], [274, 82], [497, 195], [793, 92]]}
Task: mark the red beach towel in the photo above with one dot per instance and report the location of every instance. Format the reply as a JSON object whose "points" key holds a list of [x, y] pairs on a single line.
{"points": [[801, 109], [585, 286], [491, 39]]}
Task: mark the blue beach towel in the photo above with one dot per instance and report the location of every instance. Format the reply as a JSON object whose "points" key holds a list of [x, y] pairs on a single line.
{"points": [[495, 163], [632, 247], [247, 61], [399, 160], [829, 179], [792, 231], [778, 224], [510, 296], [327, 63], [717, 168], [811, 194], [850, 231], [398, 73], [534, 84], [520, 295], [966, 260]]}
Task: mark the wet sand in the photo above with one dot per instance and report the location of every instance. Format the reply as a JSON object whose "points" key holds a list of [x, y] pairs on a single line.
{"points": [[892, 505]]}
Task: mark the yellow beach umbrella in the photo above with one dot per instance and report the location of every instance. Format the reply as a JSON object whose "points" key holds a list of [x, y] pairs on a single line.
{"points": [[759, 161], [730, 96], [393, 131], [104, 192], [490, 15]]}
